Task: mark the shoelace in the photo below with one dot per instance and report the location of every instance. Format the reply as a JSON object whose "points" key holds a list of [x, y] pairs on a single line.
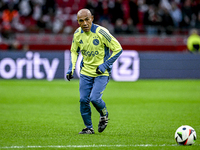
{"points": [[103, 121]]}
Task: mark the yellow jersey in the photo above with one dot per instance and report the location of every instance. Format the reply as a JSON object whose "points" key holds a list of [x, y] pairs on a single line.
{"points": [[95, 47]]}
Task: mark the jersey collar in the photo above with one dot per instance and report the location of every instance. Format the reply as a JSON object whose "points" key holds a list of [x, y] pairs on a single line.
{"points": [[93, 28]]}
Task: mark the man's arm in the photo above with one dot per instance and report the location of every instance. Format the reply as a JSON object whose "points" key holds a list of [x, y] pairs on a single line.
{"points": [[103, 67], [74, 55], [114, 45]]}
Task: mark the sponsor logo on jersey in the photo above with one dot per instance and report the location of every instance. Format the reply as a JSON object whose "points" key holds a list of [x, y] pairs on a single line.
{"points": [[89, 53]]}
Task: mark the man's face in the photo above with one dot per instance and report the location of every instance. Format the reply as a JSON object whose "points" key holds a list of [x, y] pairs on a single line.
{"points": [[85, 20]]}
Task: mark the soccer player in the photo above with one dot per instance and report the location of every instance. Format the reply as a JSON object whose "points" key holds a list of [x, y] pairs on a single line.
{"points": [[94, 42]]}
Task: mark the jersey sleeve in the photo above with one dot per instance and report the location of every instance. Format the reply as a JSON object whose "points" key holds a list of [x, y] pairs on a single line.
{"points": [[74, 55], [113, 45]]}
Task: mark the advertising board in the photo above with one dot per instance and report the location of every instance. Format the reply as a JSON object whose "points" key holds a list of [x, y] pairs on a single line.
{"points": [[130, 66]]}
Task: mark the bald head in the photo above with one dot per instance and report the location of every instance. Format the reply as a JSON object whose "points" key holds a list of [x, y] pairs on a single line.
{"points": [[85, 19], [84, 12]]}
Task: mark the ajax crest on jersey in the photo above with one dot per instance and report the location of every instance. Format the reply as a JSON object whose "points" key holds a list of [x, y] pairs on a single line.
{"points": [[185, 135], [96, 42]]}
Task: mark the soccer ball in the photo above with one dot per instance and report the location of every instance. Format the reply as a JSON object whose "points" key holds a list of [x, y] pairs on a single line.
{"points": [[185, 135]]}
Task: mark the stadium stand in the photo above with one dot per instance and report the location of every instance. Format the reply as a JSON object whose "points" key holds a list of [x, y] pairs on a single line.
{"points": [[153, 25]]}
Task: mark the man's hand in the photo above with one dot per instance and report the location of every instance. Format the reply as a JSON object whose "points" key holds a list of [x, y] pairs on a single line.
{"points": [[101, 69], [98, 71], [69, 76]]}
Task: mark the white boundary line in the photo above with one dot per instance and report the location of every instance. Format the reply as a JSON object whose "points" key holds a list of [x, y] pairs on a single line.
{"points": [[86, 146]]}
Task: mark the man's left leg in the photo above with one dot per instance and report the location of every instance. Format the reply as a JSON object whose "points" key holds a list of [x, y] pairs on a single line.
{"points": [[99, 86]]}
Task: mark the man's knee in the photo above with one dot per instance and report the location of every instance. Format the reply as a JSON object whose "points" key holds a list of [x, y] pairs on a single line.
{"points": [[95, 99], [84, 107], [84, 102]]}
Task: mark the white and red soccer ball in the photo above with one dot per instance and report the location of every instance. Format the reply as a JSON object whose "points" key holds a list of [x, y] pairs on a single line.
{"points": [[185, 135]]}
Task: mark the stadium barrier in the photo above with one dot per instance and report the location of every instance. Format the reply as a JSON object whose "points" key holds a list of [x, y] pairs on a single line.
{"points": [[61, 42], [130, 66]]}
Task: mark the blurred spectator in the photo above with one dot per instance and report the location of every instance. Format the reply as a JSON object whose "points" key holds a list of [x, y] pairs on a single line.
{"points": [[102, 11], [176, 14], [142, 6], [26, 12], [117, 11], [133, 7], [10, 18], [25, 8], [193, 41], [122, 28], [196, 10], [197, 23], [10, 24], [2, 6], [44, 14], [131, 28], [167, 22], [37, 10], [108, 25], [153, 2], [152, 20], [187, 14], [49, 7], [9, 15], [59, 20], [164, 4], [196, 6], [99, 10], [41, 24], [91, 5], [119, 27]]}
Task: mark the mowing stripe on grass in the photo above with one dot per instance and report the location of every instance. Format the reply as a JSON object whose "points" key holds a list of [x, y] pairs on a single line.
{"points": [[85, 146]]}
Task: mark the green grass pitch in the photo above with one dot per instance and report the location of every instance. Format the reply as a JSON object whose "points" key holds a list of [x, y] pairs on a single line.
{"points": [[37, 114]]}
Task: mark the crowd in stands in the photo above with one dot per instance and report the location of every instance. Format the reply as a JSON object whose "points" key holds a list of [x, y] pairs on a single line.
{"points": [[151, 17]]}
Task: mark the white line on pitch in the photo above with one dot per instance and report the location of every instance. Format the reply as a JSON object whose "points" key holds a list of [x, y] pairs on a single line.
{"points": [[83, 146]]}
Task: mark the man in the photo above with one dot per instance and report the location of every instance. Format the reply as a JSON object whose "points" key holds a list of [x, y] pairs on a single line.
{"points": [[193, 41], [94, 42]]}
